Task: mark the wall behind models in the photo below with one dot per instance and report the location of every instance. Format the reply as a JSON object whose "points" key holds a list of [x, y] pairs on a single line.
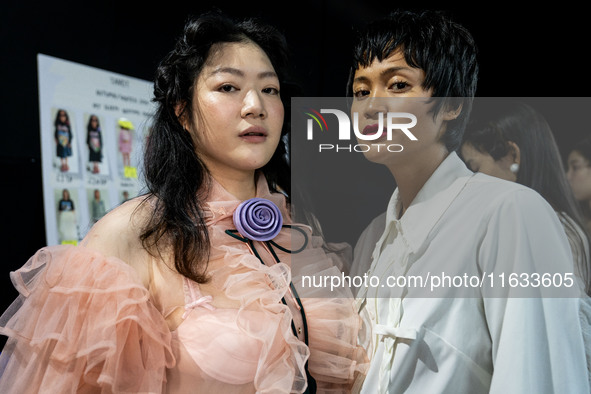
{"points": [[523, 53]]}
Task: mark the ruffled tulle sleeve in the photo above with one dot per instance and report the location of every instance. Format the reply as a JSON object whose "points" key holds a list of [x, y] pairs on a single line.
{"points": [[83, 323], [337, 361]]}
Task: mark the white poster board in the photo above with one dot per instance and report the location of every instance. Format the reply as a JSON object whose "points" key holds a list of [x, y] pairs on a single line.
{"points": [[91, 153]]}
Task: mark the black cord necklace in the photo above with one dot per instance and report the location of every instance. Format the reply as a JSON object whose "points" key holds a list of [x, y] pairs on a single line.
{"points": [[311, 389]]}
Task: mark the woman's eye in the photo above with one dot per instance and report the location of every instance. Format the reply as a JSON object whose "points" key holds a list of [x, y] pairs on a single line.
{"points": [[227, 88], [399, 85], [361, 93], [273, 91]]}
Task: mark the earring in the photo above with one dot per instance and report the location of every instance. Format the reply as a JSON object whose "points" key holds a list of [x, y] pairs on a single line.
{"points": [[514, 168]]}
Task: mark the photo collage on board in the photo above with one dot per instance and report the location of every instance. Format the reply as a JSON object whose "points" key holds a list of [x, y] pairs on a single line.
{"points": [[92, 141], [89, 162]]}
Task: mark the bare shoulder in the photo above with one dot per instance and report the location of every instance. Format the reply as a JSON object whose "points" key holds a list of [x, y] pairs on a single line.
{"points": [[117, 234]]}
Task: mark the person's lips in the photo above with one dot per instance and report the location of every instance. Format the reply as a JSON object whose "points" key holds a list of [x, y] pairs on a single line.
{"points": [[372, 129], [254, 134]]}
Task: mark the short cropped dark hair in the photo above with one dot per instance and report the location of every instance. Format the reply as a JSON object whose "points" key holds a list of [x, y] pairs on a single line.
{"points": [[431, 41]]}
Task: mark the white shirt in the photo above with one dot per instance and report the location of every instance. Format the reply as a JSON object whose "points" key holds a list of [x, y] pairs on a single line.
{"points": [[465, 339]]}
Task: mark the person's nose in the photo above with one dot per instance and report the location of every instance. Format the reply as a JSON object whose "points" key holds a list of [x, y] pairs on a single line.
{"points": [[253, 105], [374, 106]]}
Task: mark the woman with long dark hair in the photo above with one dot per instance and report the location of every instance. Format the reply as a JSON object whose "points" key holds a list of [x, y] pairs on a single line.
{"points": [[511, 140], [191, 287]]}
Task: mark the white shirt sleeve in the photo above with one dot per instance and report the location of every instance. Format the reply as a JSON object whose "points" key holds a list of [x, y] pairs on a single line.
{"points": [[537, 342]]}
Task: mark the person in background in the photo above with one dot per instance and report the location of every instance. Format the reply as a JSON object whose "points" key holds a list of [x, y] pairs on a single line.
{"points": [[97, 206], [513, 141], [125, 140], [67, 221], [63, 138], [188, 288], [579, 176], [94, 141]]}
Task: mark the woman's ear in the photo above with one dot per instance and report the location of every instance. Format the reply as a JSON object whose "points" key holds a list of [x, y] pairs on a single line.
{"points": [[515, 152], [512, 159], [179, 111], [453, 113]]}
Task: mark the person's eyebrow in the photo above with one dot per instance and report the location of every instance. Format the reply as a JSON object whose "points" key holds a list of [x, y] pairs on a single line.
{"points": [[393, 70], [386, 72], [361, 79], [267, 74], [240, 73]]}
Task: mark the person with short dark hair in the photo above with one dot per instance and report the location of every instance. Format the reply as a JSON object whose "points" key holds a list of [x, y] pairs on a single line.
{"points": [[443, 221]]}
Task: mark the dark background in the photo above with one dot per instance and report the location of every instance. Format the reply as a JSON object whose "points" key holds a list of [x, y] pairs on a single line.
{"points": [[523, 53]]}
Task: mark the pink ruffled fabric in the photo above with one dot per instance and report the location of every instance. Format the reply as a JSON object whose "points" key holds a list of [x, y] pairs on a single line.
{"points": [[88, 325], [83, 323], [262, 323], [335, 359], [335, 329]]}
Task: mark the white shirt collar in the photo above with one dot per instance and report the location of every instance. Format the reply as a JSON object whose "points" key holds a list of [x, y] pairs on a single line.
{"points": [[431, 202]]}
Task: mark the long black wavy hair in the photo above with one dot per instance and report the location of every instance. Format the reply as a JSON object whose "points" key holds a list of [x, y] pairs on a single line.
{"points": [[176, 178]]}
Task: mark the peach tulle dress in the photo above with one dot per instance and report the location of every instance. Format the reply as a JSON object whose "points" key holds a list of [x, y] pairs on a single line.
{"points": [[85, 323]]}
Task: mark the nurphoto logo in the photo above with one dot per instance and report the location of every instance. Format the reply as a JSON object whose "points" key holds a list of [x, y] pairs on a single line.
{"points": [[378, 135]]}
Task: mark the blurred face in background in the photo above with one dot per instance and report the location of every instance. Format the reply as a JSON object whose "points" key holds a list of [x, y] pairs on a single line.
{"points": [[579, 176], [478, 161]]}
